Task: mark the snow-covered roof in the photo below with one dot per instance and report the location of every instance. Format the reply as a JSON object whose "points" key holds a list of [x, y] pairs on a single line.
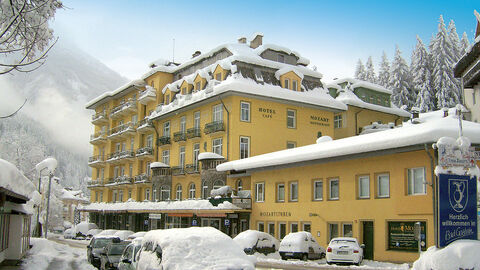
{"points": [[158, 165], [284, 70], [158, 206], [430, 128], [235, 83], [209, 155], [359, 83], [13, 180], [138, 82], [75, 195]]}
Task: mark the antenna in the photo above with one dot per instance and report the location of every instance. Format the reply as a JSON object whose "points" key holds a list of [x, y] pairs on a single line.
{"points": [[173, 53]]}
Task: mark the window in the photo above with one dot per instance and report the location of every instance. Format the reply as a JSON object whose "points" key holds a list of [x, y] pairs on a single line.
{"points": [[184, 90], [120, 195], [198, 86], [165, 193], [147, 168], [166, 157], [282, 230], [134, 119], [347, 229], [473, 98], [178, 195], [294, 85], [239, 185], [116, 172], [307, 227], [217, 146], [118, 147], [167, 99], [166, 129], [96, 197], [181, 162], [191, 191], [293, 191], [286, 84], [218, 76], [183, 124], [196, 120], [338, 121], [129, 193], [280, 192], [217, 115], [291, 119], [204, 190], [271, 229], [150, 140], [334, 189], [245, 111], [281, 58], [218, 184], [260, 226], [259, 192], [291, 145], [244, 147], [293, 227], [147, 194], [155, 195], [196, 152], [383, 185], [364, 187], [101, 196], [332, 230], [416, 181], [317, 190]]}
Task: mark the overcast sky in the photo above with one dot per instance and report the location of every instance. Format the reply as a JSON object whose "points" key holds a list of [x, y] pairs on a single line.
{"points": [[127, 35]]}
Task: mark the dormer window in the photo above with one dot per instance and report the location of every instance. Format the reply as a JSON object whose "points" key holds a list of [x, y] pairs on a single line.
{"points": [[153, 84], [281, 58], [184, 90], [294, 85], [218, 76], [167, 99], [197, 86], [286, 83]]}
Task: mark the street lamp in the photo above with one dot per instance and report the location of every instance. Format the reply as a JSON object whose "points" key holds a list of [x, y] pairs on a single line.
{"points": [[51, 165], [37, 225]]}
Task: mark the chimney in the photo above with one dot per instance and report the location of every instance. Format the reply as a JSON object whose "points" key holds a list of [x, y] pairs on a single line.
{"points": [[445, 112], [256, 41], [415, 114], [196, 53], [242, 40]]}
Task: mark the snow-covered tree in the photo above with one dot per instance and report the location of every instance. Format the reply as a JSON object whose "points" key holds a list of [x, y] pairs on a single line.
{"points": [[384, 72], [464, 44], [25, 35], [370, 72], [360, 72], [453, 36], [443, 60], [400, 82], [55, 212], [421, 78]]}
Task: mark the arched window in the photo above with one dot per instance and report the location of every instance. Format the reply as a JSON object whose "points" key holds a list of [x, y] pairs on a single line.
{"points": [[191, 191], [239, 185], [179, 192], [218, 184], [165, 193], [204, 190]]}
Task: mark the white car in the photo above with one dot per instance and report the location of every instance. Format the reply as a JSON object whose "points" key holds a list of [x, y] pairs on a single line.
{"points": [[135, 235], [300, 245], [128, 261], [344, 250], [69, 233], [255, 241], [123, 234]]}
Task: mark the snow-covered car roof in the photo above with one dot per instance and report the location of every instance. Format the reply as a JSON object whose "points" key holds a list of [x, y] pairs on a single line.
{"points": [[249, 238], [196, 248], [123, 234]]}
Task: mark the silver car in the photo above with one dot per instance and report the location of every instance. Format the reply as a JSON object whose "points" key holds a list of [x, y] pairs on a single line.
{"points": [[128, 260]]}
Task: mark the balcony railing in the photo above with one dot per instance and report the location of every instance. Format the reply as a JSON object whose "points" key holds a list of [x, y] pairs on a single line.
{"points": [[124, 179], [161, 171], [145, 125], [129, 106], [142, 178], [95, 183], [178, 170], [194, 133], [122, 129], [95, 159], [144, 151], [97, 137], [214, 127], [192, 168], [164, 140], [147, 95], [99, 117], [120, 155], [179, 136]]}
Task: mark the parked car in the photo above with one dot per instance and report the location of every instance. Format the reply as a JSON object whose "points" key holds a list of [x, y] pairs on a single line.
{"points": [[96, 245], [108, 232], [91, 233], [110, 256], [128, 260], [344, 250], [136, 235], [252, 241], [82, 228], [123, 234], [300, 245], [69, 233], [191, 249]]}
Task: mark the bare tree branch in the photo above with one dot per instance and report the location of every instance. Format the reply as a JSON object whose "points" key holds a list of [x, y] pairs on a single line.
{"points": [[15, 112]]}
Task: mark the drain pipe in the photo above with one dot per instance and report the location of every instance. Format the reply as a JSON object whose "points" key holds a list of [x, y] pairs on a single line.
{"points": [[228, 126], [356, 122], [434, 191]]}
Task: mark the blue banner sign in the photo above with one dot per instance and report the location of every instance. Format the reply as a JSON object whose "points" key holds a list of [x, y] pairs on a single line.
{"points": [[457, 208]]}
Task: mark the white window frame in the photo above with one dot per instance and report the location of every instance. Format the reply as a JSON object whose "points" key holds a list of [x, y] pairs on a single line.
{"points": [[294, 144], [360, 179], [196, 119], [378, 185], [217, 113], [196, 152], [291, 226], [166, 129], [181, 156], [154, 195], [147, 194], [315, 198], [411, 181], [245, 111], [150, 140], [294, 85], [294, 118], [291, 196], [260, 196], [244, 147], [178, 192], [286, 83], [204, 190], [166, 157], [278, 192], [258, 226], [338, 121], [217, 146], [330, 181], [183, 124], [165, 193], [191, 191]]}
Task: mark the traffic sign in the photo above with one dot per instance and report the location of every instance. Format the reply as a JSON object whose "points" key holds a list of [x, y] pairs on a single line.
{"points": [[194, 222], [227, 222]]}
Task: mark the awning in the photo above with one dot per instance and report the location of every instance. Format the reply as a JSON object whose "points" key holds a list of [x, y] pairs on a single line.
{"points": [[180, 214], [212, 215]]}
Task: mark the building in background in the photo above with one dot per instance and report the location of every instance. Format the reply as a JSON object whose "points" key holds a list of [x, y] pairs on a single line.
{"points": [[71, 199]]}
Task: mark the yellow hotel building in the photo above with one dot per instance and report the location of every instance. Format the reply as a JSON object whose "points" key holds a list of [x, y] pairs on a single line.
{"points": [[157, 140]]}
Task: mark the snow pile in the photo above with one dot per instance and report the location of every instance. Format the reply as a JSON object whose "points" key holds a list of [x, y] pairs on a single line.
{"points": [[46, 254], [158, 165], [284, 70], [375, 126], [194, 248], [248, 239], [158, 206], [49, 163], [209, 155], [83, 227], [221, 191], [133, 83], [461, 254], [433, 127], [137, 235], [12, 179], [123, 234], [324, 139]]}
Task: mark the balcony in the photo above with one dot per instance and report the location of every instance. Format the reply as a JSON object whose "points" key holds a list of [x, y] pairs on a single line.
{"points": [[95, 183], [192, 168], [145, 126], [213, 127], [179, 136], [164, 140], [142, 178], [118, 157], [98, 138], [99, 118], [123, 109], [144, 153], [178, 170], [120, 132], [194, 133], [244, 203], [96, 161], [147, 95], [119, 180]]}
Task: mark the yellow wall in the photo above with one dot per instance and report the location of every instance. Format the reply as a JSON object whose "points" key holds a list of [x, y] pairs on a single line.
{"points": [[349, 209], [291, 76], [221, 71]]}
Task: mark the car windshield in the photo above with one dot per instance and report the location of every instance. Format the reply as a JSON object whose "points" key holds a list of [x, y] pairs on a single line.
{"points": [[343, 241], [101, 242], [116, 250]]}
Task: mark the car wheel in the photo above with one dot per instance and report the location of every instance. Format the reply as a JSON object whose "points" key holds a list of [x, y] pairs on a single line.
{"points": [[305, 257], [329, 262], [322, 255], [283, 257]]}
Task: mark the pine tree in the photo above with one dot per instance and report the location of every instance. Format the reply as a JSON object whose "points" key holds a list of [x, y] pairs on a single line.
{"points": [[464, 44], [360, 72], [400, 82], [370, 72], [453, 36], [442, 51], [384, 72], [421, 78]]}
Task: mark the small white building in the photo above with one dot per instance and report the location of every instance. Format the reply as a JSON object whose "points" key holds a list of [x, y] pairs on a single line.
{"points": [[71, 199], [17, 194]]}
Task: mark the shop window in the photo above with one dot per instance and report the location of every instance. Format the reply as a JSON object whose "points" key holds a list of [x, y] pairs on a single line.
{"points": [[416, 181], [364, 187], [282, 230], [334, 191], [271, 228], [317, 190], [259, 192], [347, 229], [280, 192], [260, 226], [293, 227], [332, 230]]}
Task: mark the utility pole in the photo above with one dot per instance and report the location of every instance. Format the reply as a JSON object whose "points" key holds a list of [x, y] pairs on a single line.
{"points": [[48, 202]]}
